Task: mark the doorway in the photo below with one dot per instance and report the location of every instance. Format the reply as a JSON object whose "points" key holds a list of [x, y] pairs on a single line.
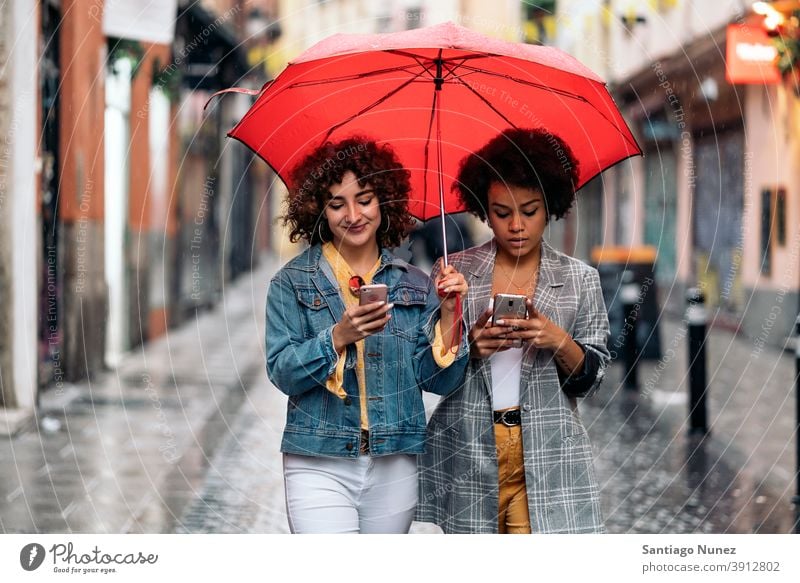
{"points": [[117, 181], [51, 281]]}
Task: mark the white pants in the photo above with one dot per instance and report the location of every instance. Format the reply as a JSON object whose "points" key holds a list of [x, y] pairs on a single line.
{"points": [[350, 495]]}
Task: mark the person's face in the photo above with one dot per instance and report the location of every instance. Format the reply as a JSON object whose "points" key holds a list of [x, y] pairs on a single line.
{"points": [[353, 213], [517, 217]]}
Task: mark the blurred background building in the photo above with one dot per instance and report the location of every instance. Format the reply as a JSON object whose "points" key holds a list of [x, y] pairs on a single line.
{"points": [[715, 192], [124, 208]]}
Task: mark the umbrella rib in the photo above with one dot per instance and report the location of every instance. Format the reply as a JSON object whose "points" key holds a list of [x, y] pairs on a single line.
{"points": [[529, 83], [551, 90], [444, 60], [425, 67], [451, 72], [486, 101], [419, 62], [406, 68], [372, 105]]}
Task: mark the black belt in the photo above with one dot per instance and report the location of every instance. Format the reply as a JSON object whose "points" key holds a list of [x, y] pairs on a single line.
{"points": [[509, 417]]}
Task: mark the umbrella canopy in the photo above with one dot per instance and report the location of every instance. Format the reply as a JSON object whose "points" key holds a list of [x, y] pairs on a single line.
{"points": [[435, 94]]}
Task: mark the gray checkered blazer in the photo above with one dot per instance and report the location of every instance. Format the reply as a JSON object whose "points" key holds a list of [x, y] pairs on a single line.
{"points": [[458, 474]]}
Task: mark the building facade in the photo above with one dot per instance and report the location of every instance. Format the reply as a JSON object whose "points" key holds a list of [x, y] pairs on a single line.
{"points": [[716, 192], [18, 241], [123, 207]]}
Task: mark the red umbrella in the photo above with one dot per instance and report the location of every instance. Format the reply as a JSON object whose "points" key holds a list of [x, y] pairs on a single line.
{"points": [[435, 94]]}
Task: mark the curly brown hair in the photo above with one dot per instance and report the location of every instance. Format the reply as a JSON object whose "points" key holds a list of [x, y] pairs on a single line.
{"points": [[373, 164], [527, 158]]}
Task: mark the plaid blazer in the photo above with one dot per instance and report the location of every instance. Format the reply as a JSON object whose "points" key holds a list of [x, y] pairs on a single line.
{"points": [[458, 473]]}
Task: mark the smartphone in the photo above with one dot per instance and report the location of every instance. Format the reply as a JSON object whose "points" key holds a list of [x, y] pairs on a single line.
{"points": [[508, 306], [369, 294]]}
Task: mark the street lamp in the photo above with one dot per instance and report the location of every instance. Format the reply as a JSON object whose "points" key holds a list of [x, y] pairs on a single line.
{"points": [[772, 18], [261, 31], [261, 27]]}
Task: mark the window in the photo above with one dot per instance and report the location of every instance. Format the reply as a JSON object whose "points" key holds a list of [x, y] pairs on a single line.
{"points": [[766, 231], [773, 224], [539, 21], [780, 217]]}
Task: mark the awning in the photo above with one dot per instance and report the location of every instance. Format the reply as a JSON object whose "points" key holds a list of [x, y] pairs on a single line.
{"points": [[132, 19], [207, 50]]}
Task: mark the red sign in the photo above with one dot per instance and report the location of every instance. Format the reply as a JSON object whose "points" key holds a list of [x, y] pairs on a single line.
{"points": [[751, 56]]}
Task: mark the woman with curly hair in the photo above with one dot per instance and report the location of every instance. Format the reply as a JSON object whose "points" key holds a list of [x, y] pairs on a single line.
{"points": [[508, 452], [354, 371]]}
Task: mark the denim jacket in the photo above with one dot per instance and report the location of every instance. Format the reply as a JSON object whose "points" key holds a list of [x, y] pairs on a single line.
{"points": [[303, 305]]}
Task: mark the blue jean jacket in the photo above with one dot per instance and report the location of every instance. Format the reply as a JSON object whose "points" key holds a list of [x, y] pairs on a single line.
{"points": [[303, 304]]}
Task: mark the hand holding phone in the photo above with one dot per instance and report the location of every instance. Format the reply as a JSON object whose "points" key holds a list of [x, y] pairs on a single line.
{"points": [[509, 306], [369, 294], [358, 322]]}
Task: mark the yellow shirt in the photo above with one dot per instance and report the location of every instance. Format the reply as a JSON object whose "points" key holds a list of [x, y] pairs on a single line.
{"points": [[335, 383]]}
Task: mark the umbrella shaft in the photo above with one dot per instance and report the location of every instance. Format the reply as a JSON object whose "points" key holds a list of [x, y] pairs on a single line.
{"points": [[438, 98]]}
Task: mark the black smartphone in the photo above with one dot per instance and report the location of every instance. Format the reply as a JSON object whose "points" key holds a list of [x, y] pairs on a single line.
{"points": [[369, 294], [509, 306]]}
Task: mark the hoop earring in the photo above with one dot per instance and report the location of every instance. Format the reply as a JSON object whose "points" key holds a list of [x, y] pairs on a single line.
{"points": [[388, 223], [319, 230]]}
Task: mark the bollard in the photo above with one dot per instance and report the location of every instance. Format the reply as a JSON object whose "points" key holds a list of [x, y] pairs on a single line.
{"points": [[629, 294], [796, 499], [696, 319]]}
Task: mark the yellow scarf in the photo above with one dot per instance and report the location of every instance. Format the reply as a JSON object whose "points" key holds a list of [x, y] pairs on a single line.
{"points": [[335, 383], [343, 273]]}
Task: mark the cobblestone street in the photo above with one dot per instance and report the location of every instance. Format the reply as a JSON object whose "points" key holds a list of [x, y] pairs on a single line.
{"points": [[184, 437]]}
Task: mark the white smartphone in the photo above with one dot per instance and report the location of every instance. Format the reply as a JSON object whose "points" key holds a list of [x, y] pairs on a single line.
{"points": [[369, 294], [508, 306]]}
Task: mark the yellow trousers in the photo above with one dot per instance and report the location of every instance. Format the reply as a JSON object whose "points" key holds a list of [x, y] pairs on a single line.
{"points": [[513, 517]]}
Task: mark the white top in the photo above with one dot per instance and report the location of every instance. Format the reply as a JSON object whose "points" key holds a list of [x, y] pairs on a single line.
{"points": [[506, 372]]}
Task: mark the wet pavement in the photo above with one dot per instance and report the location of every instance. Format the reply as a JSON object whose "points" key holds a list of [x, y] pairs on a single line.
{"points": [[128, 451], [657, 478], [184, 437]]}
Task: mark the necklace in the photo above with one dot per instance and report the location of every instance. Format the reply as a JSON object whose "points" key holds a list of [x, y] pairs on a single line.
{"points": [[531, 281], [356, 282], [342, 269]]}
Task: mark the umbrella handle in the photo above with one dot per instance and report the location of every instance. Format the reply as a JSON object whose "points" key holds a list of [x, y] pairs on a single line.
{"points": [[457, 314], [445, 262]]}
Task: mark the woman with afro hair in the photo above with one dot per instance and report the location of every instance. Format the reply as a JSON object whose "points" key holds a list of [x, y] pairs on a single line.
{"points": [[354, 370], [508, 452]]}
